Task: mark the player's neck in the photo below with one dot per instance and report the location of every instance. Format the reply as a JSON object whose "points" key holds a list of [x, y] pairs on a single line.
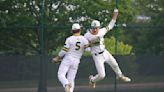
{"points": [[76, 34]]}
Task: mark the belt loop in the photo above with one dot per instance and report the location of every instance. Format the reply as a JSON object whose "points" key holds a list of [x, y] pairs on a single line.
{"points": [[98, 53]]}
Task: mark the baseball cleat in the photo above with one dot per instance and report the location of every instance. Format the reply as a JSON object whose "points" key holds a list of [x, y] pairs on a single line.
{"points": [[91, 83], [124, 78], [67, 87]]}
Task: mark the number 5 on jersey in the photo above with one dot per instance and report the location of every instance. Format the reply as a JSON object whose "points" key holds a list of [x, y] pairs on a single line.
{"points": [[77, 46]]}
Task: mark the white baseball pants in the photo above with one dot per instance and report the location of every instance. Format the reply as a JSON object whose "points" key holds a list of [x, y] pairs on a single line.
{"points": [[68, 67], [99, 60]]}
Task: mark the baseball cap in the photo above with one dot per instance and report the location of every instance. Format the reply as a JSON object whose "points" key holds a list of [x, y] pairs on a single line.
{"points": [[75, 26], [95, 23]]}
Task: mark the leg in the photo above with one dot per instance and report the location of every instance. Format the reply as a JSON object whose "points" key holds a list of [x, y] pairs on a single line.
{"points": [[99, 63], [112, 62], [71, 75], [63, 68]]}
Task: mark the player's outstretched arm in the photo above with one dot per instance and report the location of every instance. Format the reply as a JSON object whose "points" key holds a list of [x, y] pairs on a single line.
{"points": [[60, 56], [113, 21], [56, 59]]}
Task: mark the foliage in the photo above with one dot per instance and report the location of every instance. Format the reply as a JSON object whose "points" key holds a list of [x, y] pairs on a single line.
{"points": [[148, 39], [21, 21], [122, 49]]}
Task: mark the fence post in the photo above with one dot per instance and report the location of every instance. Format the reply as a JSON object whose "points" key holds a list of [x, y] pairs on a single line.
{"points": [[116, 42], [42, 87]]}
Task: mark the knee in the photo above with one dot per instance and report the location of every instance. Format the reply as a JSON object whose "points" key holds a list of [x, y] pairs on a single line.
{"points": [[101, 76], [60, 76]]}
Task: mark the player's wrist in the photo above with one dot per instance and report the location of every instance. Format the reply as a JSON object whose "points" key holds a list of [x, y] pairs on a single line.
{"points": [[113, 21]]}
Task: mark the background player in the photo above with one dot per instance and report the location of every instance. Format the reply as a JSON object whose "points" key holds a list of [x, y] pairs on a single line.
{"points": [[100, 55], [71, 54]]}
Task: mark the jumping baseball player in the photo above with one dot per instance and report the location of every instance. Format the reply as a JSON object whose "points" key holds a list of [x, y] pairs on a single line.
{"points": [[100, 55], [71, 54]]}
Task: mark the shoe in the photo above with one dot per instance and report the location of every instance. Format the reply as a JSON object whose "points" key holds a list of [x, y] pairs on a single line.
{"points": [[67, 87], [124, 78], [91, 83]]}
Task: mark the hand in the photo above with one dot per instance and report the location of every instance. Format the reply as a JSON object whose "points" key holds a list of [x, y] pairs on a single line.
{"points": [[56, 59], [115, 14]]}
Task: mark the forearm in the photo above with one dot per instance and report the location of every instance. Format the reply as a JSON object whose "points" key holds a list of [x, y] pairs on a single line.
{"points": [[111, 24], [58, 58], [113, 21], [62, 53]]}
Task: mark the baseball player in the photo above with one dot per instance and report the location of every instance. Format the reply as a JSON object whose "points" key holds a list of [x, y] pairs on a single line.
{"points": [[100, 55], [70, 55]]}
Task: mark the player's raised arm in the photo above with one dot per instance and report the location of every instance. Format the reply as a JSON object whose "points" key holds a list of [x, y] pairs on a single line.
{"points": [[113, 21]]}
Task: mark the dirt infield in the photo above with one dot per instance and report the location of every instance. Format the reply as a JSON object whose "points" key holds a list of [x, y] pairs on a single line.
{"points": [[100, 88]]}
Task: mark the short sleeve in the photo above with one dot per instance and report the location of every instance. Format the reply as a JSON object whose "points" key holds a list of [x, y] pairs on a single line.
{"points": [[85, 35], [86, 41], [67, 44]]}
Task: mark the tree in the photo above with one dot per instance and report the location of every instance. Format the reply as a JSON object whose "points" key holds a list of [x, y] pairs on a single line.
{"points": [[148, 39], [123, 49], [21, 20]]}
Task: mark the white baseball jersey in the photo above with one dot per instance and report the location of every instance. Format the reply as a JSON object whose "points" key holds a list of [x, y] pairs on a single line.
{"points": [[100, 46], [76, 46], [101, 58]]}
